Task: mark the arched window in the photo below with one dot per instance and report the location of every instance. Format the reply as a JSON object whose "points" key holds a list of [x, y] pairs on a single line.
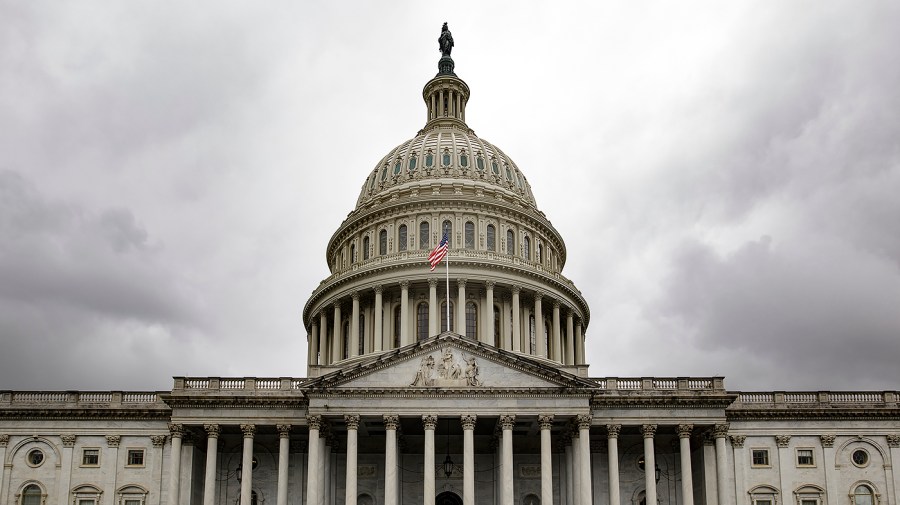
{"points": [[445, 159], [424, 238], [398, 167], [539, 250], [31, 495], [491, 236], [510, 242], [470, 235], [345, 339], [444, 316], [496, 335], [412, 164], [429, 159], [352, 253], [362, 335], [422, 321], [401, 238], [447, 229], [479, 163], [471, 320], [532, 339], [863, 495], [365, 248], [547, 338], [382, 242], [463, 160], [526, 248], [396, 327]]}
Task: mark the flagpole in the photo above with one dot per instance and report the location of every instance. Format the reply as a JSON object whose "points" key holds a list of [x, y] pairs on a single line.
{"points": [[447, 261]]}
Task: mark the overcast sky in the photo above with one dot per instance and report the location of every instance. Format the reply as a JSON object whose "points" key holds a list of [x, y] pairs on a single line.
{"points": [[726, 176]]}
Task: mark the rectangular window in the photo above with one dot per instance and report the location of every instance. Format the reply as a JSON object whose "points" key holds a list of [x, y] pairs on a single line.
{"points": [[805, 457], [132, 502], [90, 457], [764, 501], [135, 457], [760, 457], [86, 502], [807, 501]]}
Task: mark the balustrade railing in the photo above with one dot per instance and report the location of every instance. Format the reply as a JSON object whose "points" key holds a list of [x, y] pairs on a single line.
{"points": [[659, 383], [812, 399], [87, 399], [238, 383]]}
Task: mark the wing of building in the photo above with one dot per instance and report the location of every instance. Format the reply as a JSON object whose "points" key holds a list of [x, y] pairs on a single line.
{"points": [[464, 388]]}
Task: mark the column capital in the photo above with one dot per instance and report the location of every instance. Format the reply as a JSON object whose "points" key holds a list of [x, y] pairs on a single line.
{"points": [[893, 440], [556, 304], [461, 282], [284, 430], [515, 289], [489, 284], [404, 284], [4, 440], [67, 440], [352, 421], [649, 430], [378, 288], [336, 304], [584, 421], [507, 422], [176, 430], [158, 440], [612, 430], [212, 430], [538, 296], [430, 421], [314, 422], [391, 421], [738, 441], [720, 430], [249, 430], [827, 440], [468, 421], [355, 296], [782, 441], [545, 421], [685, 430], [113, 440], [432, 283]]}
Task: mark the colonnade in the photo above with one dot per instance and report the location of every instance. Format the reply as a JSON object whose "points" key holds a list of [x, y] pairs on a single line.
{"points": [[372, 325]]}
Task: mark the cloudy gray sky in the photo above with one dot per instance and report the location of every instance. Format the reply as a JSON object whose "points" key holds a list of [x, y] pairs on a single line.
{"points": [[725, 174]]}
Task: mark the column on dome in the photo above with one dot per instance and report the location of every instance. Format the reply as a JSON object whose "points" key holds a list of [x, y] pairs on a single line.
{"points": [[391, 422], [539, 325], [468, 425], [434, 323], [249, 431], [378, 322], [579, 344], [489, 314], [352, 422], [546, 424], [557, 334], [720, 431], [684, 448], [284, 449], [649, 430], [337, 346], [323, 339], [507, 422], [429, 422], [570, 338], [461, 307], [177, 433], [212, 448], [313, 347], [404, 313], [584, 451], [354, 325], [516, 321], [612, 442]]}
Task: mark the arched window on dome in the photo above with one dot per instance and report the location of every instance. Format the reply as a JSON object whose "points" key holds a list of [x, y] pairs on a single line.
{"points": [[447, 229], [382, 242], [373, 181], [470, 235], [510, 242], [532, 338], [526, 248], [422, 321], [384, 173], [396, 327], [509, 176], [444, 316], [31, 495], [491, 237], [401, 238], [429, 159], [539, 251], [352, 253], [464, 160], [345, 339], [471, 320], [496, 334], [479, 163], [494, 167], [412, 163], [863, 495], [424, 235], [398, 167], [365, 248], [446, 159]]}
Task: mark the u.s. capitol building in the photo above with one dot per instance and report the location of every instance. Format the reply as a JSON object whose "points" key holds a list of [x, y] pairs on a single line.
{"points": [[404, 405]]}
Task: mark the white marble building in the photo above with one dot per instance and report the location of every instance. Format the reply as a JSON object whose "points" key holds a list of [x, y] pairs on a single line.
{"points": [[405, 404]]}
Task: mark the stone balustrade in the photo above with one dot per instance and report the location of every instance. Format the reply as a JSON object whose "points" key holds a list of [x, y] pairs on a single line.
{"points": [[239, 383], [660, 383], [143, 399], [815, 399]]}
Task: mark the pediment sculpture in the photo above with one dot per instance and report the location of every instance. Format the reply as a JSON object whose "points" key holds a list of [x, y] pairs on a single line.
{"points": [[450, 372]]}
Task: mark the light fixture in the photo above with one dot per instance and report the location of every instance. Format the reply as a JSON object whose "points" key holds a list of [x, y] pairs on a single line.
{"points": [[448, 463]]}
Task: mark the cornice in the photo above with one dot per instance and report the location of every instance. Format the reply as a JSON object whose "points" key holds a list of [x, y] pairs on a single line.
{"points": [[39, 413], [219, 400], [821, 414], [656, 400], [430, 393]]}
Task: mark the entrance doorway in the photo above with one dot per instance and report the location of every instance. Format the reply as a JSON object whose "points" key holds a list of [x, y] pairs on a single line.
{"points": [[448, 498]]}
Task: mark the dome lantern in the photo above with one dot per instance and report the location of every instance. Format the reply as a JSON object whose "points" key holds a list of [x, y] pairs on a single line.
{"points": [[446, 95]]}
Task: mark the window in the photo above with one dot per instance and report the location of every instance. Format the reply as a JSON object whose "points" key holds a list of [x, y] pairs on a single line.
{"points": [[366, 248], [362, 335], [763, 495], [398, 167], [32, 495], [86, 495], [422, 321], [382, 242], [90, 457], [479, 163], [396, 327], [447, 229], [509, 176], [463, 160], [445, 159], [805, 457], [526, 248], [424, 235], [510, 242], [412, 164], [352, 253], [401, 238], [860, 458], [491, 238], [532, 339], [496, 341], [809, 495], [494, 167], [539, 251], [470, 235], [863, 495], [35, 457], [760, 457], [384, 173], [135, 457], [345, 339], [471, 320], [444, 316], [374, 180], [429, 159]]}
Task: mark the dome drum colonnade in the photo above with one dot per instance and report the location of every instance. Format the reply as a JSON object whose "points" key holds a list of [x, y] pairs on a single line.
{"points": [[507, 289]]}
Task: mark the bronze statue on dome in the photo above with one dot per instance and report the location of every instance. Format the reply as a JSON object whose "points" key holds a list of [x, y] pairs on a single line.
{"points": [[445, 41]]}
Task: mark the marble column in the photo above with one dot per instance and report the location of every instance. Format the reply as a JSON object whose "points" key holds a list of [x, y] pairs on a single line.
{"points": [[579, 345], [65, 468], [352, 422], [612, 442], [576, 464], [570, 338], [832, 474], [570, 484], [546, 424], [740, 464], [516, 321], [391, 422], [468, 425], [337, 344], [284, 449], [539, 326], [429, 422], [461, 307], [649, 430], [4, 443], [177, 433], [212, 449], [556, 353], [327, 470], [312, 467], [721, 433], [354, 325], [404, 313], [489, 314], [507, 422], [434, 324], [584, 451], [684, 448], [784, 459], [323, 339], [313, 338], [249, 431], [378, 323], [324, 465]]}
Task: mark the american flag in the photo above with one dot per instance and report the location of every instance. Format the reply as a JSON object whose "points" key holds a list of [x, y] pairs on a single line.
{"points": [[439, 252]]}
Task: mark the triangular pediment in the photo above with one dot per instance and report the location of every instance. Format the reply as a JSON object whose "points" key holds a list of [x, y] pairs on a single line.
{"points": [[450, 361]]}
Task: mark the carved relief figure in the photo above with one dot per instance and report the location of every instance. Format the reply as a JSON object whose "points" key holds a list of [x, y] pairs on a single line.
{"points": [[423, 375], [472, 373], [449, 369]]}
